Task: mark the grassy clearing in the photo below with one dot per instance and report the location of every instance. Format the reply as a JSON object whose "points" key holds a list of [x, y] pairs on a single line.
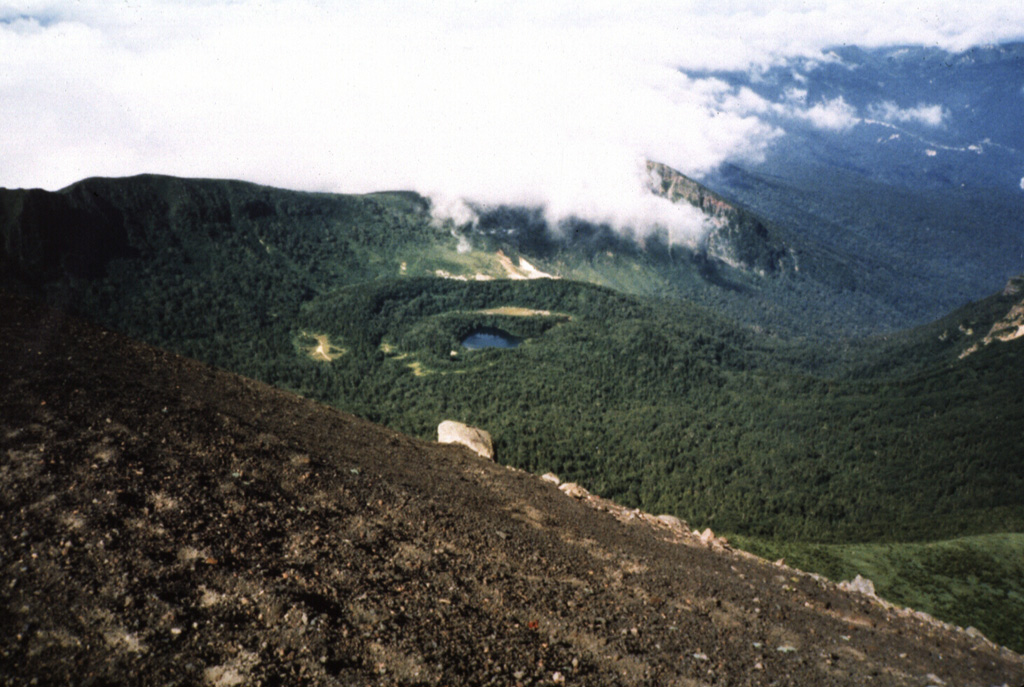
{"points": [[512, 311], [430, 260], [975, 581], [417, 369], [621, 274], [319, 347]]}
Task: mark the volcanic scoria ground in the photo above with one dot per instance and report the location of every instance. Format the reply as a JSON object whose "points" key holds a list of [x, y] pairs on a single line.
{"points": [[165, 523]]}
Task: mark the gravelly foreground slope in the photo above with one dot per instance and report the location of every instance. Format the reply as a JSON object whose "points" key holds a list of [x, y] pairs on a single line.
{"points": [[165, 523]]}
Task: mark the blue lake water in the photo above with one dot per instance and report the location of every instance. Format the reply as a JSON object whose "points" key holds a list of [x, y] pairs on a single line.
{"points": [[490, 337]]}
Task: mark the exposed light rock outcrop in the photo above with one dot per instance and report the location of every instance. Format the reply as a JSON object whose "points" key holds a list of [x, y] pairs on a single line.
{"points": [[574, 490], [1014, 286], [524, 270], [738, 237], [861, 585], [1011, 325], [708, 538], [477, 440], [671, 521]]}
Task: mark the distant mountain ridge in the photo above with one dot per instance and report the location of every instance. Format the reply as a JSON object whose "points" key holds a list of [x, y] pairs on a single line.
{"points": [[919, 178], [74, 233]]}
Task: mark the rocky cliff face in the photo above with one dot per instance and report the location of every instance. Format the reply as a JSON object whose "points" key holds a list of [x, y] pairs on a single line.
{"points": [[163, 523], [738, 236], [1011, 325]]}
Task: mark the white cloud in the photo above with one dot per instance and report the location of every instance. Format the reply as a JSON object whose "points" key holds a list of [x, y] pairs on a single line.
{"points": [[548, 103], [888, 111], [835, 114]]}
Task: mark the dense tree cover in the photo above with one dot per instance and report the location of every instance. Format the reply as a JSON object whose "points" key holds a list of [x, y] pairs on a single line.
{"points": [[648, 399], [653, 403], [660, 405]]}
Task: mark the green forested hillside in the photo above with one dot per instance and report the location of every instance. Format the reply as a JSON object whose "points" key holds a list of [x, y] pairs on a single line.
{"points": [[660, 404], [649, 398]]}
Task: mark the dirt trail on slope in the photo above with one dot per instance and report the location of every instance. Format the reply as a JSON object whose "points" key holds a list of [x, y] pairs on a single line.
{"points": [[164, 523]]}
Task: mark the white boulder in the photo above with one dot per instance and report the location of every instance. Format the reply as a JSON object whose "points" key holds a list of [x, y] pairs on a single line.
{"points": [[574, 490], [670, 520], [477, 440], [861, 585]]}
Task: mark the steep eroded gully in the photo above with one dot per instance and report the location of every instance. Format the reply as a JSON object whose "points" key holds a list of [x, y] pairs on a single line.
{"points": [[165, 523]]}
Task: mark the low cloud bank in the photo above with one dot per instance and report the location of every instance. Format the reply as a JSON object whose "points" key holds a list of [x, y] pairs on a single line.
{"points": [[541, 104], [929, 115]]}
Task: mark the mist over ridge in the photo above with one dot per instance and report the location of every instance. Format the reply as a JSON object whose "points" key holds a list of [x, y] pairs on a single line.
{"points": [[555, 106]]}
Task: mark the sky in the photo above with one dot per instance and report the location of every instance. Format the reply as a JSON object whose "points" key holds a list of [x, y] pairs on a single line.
{"points": [[547, 103]]}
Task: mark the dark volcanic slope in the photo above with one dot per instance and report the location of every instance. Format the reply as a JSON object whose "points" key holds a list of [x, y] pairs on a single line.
{"points": [[165, 523]]}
